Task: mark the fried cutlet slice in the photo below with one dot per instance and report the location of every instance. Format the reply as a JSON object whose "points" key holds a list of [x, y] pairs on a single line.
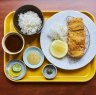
{"points": [[76, 24], [76, 39]]}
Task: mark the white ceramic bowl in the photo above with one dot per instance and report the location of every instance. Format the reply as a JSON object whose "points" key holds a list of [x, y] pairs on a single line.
{"points": [[27, 51], [49, 76], [10, 64]]}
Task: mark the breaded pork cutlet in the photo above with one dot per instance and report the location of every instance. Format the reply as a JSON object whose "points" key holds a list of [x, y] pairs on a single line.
{"points": [[76, 37]]}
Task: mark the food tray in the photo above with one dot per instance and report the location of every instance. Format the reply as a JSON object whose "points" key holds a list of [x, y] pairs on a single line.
{"points": [[80, 75]]}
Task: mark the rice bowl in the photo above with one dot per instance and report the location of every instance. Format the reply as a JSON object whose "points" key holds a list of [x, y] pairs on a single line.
{"points": [[29, 22]]}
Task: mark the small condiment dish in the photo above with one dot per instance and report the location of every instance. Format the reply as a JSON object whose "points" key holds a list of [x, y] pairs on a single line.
{"points": [[49, 71], [7, 44], [33, 49], [9, 66]]}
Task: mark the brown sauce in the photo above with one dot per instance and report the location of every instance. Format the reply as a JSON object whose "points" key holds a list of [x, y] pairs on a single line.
{"points": [[14, 43]]}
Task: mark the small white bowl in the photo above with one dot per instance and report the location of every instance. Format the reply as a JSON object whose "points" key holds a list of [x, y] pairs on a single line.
{"points": [[49, 76], [4, 46], [27, 51], [10, 64]]}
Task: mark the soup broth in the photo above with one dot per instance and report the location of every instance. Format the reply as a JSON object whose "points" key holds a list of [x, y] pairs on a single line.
{"points": [[13, 43]]}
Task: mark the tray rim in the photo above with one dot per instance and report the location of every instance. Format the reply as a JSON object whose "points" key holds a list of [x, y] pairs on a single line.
{"points": [[52, 11]]}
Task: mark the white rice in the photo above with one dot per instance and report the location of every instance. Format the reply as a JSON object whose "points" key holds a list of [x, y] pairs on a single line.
{"points": [[29, 22], [58, 32]]}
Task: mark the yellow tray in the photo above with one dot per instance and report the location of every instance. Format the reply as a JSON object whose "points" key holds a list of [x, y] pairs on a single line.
{"points": [[80, 75]]}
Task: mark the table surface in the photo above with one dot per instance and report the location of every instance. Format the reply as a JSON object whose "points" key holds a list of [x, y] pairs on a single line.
{"points": [[10, 88]]}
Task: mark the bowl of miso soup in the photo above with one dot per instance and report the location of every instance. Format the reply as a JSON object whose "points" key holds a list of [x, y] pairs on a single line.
{"points": [[13, 43]]}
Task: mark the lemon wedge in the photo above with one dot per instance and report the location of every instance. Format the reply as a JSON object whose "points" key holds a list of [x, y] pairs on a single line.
{"points": [[58, 48]]}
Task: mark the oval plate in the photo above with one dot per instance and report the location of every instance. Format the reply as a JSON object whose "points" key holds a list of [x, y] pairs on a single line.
{"points": [[68, 63]]}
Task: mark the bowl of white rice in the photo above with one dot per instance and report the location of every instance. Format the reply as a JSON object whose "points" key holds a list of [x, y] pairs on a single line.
{"points": [[28, 20]]}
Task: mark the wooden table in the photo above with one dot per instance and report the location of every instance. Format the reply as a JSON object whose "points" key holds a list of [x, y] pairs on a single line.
{"points": [[10, 88]]}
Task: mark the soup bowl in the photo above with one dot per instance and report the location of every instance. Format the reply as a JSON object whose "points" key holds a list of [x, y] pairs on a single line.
{"points": [[13, 43]]}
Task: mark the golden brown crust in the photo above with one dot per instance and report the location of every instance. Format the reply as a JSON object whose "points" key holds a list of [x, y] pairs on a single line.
{"points": [[76, 24], [76, 38]]}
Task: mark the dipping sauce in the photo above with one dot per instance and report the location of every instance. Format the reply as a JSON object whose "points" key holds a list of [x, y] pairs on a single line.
{"points": [[33, 58], [14, 42]]}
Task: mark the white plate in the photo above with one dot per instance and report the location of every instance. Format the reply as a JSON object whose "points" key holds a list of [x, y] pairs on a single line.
{"points": [[68, 63]]}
